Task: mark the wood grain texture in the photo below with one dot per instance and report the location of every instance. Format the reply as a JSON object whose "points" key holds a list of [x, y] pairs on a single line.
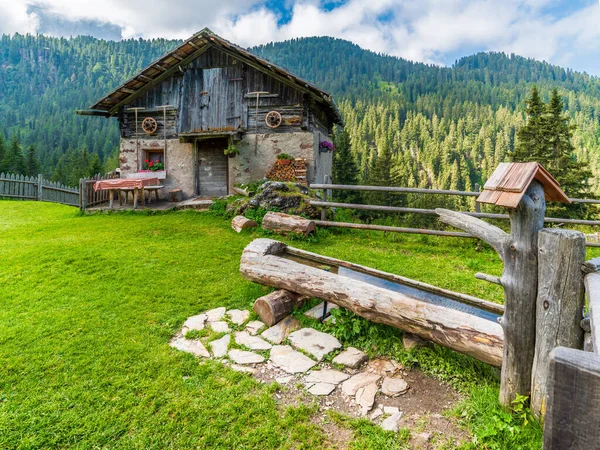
{"points": [[465, 333], [286, 224], [592, 288], [573, 398], [276, 306], [559, 305], [240, 223]]}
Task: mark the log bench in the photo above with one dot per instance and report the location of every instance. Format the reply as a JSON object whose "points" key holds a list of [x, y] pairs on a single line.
{"points": [[154, 189]]}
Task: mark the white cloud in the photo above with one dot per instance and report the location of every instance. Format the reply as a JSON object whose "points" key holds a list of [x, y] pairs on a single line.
{"points": [[422, 30]]}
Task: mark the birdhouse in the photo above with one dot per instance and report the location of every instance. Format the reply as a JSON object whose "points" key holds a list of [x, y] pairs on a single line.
{"points": [[509, 182]]}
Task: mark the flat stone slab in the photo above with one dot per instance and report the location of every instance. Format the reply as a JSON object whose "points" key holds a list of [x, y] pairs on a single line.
{"points": [[252, 342], [193, 346], [393, 387], [352, 385], [254, 326], [244, 357], [314, 342], [365, 397], [289, 360], [383, 367], [194, 323], [215, 314], [219, 346], [280, 331], [219, 327], [326, 376], [243, 369], [391, 423], [316, 312], [238, 316], [321, 389], [351, 357]]}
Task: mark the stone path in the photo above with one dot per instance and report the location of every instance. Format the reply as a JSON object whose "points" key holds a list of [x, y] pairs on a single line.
{"points": [[289, 354]]}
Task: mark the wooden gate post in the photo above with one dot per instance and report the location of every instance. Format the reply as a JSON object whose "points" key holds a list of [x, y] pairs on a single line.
{"points": [[83, 194], [40, 186], [559, 305], [518, 251]]}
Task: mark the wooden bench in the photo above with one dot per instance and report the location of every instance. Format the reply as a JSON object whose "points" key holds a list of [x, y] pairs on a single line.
{"points": [[154, 189], [125, 191]]}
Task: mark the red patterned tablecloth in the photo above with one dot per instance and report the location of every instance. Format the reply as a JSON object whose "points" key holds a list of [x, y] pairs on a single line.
{"points": [[125, 183]]}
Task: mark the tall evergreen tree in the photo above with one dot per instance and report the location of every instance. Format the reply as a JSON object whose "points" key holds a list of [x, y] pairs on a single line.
{"points": [[32, 165], [3, 151], [345, 169], [13, 161], [533, 137]]}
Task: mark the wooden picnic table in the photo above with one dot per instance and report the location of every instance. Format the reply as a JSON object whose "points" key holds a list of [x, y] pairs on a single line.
{"points": [[137, 184]]}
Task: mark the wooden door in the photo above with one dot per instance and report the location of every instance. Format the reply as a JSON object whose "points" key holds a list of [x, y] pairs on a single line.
{"points": [[212, 170]]}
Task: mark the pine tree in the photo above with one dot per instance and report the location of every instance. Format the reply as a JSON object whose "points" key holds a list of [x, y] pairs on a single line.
{"points": [[13, 160], [533, 137], [32, 165], [3, 151], [345, 169]]}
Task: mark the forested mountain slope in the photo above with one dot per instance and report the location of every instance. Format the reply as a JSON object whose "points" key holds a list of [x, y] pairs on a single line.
{"points": [[409, 123]]}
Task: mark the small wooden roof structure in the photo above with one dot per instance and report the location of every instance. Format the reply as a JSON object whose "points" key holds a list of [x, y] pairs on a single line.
{"points": [[507, 185], [189, 50]]}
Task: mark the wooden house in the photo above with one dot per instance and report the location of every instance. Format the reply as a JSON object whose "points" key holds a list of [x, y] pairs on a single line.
{"points": [[186, 108]]}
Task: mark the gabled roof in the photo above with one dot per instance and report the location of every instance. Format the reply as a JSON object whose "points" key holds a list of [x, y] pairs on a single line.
{"points": [[189, 50], [507, 185]]}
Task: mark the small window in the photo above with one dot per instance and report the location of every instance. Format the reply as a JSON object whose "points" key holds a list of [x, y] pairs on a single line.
{"points": [[156, 155]]}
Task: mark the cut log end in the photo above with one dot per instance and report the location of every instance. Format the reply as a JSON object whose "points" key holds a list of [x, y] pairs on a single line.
{"points": [[285, 224], [277, 305], [240, 223]]}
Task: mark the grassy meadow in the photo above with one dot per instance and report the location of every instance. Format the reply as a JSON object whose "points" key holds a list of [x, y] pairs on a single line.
{"points": [[89, 303]]}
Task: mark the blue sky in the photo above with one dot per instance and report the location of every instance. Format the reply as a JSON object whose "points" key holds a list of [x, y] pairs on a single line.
{"points": [[434, 31]]}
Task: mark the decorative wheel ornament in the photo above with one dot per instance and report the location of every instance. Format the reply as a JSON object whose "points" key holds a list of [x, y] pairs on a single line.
{"points": [[149, 125], [273, 119]]}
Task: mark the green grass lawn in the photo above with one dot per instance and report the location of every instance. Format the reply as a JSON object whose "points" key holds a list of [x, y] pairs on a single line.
{"points": [[89, 303]]}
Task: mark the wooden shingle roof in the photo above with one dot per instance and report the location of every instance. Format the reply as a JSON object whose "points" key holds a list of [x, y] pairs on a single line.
{"points": [[507, 185], [189, 50]]}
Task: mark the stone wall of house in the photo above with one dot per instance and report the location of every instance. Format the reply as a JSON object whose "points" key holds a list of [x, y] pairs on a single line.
{"points": [[179, 157], [252, 165]]}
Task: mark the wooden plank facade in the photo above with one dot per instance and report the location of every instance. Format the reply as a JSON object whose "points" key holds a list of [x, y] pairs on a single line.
{"points": [[202, 98]]}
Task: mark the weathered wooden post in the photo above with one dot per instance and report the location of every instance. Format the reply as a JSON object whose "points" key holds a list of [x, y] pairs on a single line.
{"points": [[523, 188], [40, 187], [560, 302]]}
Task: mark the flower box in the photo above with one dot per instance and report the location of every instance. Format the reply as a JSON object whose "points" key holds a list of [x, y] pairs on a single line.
{"points": [[160, 174]]}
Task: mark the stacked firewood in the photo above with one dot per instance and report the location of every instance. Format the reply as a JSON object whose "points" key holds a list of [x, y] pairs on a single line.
{"points": [[293, 171]]}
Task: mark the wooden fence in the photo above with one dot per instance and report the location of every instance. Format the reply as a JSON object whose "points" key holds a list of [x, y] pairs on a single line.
{"points": [[36, 188], [88, 196], [326, 203]]}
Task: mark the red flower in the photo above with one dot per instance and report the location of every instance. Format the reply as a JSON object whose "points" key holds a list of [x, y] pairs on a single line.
{"points": [[151, 163], [145, 160]]}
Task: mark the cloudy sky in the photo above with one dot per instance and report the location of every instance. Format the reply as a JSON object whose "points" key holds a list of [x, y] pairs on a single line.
{"points": [[564, 32]]}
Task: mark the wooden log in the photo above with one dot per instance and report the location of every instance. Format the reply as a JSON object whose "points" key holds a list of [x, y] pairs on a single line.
{"points": [[240, 223], [592, 288], [175, 195], [559, 305], [285, 224], [489, 278], [573, 398], [276, 306], [460, 331], [519, 280]]}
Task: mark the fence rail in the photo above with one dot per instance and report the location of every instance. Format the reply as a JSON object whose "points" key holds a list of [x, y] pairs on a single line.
{"points": [[88, 196], [325, 203], [37, 188]]}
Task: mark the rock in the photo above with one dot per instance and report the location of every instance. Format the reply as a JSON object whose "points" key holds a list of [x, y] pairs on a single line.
{"points": [[289, 360], [326, 376], [391, 410], [391, 423], [244, 357], [321, 389], [194, 323], [393, 387], [219, 346], [351, 357], [193, 346], [382, 367], [314, 342], [423, 438], [284, 380], [219, 327], [412, 341], [243, 369], [254, 326], [215, 314], [376, 414], [317, 311], [280, 331], [365, 397], [238, 316], [352, 385], [252, 342]]}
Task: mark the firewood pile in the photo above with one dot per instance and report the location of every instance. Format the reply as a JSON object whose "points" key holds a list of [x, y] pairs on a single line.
{"points": [[294, 171]]}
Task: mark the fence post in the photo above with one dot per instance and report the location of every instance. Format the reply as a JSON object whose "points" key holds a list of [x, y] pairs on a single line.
{"points": [[559, 305], [83, 194], [40, 187], [477, 206]]}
